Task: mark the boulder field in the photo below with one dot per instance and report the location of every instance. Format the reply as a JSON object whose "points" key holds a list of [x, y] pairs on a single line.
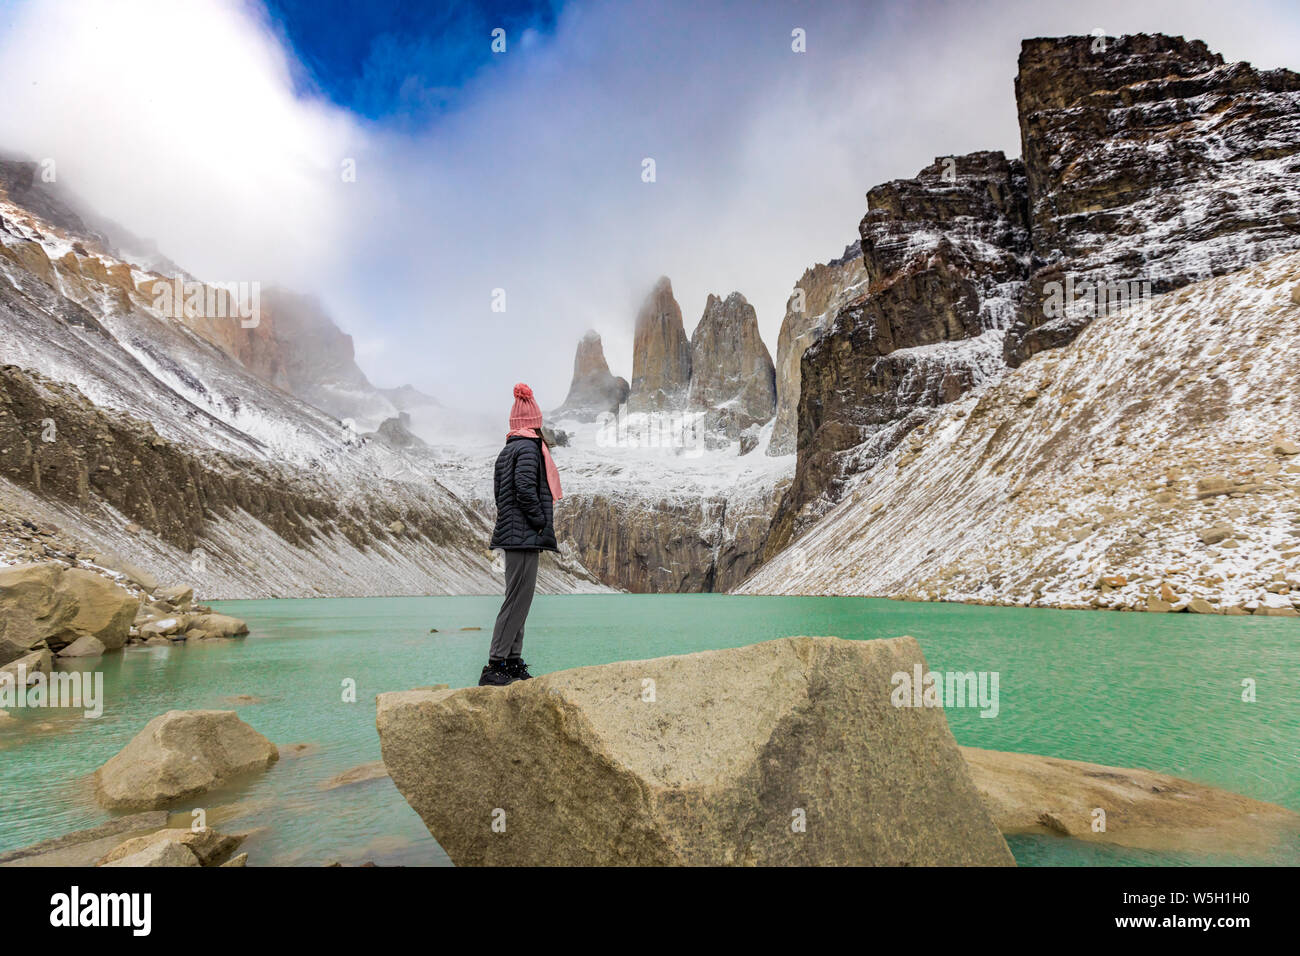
{"points": [[787, 752], [49, 608]]}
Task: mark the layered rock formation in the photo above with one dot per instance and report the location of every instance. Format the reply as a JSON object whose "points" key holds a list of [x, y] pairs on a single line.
{"points": [[594, 389], [163, 487], [316, 361], [1149, 160], [803, 761], [733, 382], [158, 435], [818, 297], [661, 354], [1148, 164], [945, 255]]}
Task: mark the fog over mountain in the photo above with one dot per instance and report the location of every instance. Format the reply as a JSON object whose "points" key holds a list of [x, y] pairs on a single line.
{"points": [[196, 126]]}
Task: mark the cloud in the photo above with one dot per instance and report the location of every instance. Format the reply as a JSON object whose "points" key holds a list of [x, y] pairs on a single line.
{"points": [[178, 120], [182, 122]]}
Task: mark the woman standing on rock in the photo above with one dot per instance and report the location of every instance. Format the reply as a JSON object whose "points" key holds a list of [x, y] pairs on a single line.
{"points": [[527, 485]]}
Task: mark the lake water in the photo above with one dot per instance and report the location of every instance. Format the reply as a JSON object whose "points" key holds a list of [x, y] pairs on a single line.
{"points": [[1133, 690]]}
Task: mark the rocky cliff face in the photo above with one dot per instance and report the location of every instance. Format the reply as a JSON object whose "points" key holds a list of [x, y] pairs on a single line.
{"points": [[733, 381], [945, 255], [683, 540], [1148, 163], [661, 354], [594, 389], [1152, 464], [818, 297], [316, 360], [1149, 160]]}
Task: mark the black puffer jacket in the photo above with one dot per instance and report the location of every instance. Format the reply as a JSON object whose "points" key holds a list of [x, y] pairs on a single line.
{"points": [[525, 511]]}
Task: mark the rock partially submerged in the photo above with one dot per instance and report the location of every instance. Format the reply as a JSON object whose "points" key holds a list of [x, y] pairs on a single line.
{"points": [[206, 846], [361, 774], [1143, 809], [181, 754], [784, 752], [86, 847], [167, 853]]}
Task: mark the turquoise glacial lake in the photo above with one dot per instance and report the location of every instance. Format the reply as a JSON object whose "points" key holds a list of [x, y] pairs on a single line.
{"points": [[1163, 692]]}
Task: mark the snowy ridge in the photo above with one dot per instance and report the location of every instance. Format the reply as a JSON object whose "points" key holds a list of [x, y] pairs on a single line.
{"points": [[1150, 459], [79, 316]]}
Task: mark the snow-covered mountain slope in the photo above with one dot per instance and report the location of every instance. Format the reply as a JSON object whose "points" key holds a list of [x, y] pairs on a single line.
{"points": [[1151, 462], [157, 437]]}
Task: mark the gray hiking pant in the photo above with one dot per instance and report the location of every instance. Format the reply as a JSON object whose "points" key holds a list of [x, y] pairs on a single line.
{"points": [[521, 580]]}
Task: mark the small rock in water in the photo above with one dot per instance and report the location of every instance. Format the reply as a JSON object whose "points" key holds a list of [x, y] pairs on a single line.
{"points": [[181, 754]]}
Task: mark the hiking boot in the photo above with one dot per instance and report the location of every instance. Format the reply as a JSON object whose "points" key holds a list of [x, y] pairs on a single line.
{"points": [[517, 668], [496, 674]]}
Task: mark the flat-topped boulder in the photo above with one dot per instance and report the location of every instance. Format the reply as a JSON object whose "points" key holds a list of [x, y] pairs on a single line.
{"points": [[1031, 794], [181, 754], [788, 752]]}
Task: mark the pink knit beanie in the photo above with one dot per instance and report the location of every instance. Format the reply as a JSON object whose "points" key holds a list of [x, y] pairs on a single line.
{"points": [[525, 413]]}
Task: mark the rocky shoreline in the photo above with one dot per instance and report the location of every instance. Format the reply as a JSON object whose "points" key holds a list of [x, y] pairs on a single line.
{"points": [[54, 610], [648, 763]]}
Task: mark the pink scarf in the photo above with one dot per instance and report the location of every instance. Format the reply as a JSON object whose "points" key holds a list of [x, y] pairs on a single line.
{"points": [[552, 473]]}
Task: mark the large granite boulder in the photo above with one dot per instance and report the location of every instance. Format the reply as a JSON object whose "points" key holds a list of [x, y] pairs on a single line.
{"points": [[661, 354], [733, 381], [594, 389], [181, 754], [46, 605], [784, 752], [217, 625]]}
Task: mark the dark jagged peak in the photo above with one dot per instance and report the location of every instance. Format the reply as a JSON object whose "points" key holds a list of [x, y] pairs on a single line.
{"points": [[396, 433]]}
